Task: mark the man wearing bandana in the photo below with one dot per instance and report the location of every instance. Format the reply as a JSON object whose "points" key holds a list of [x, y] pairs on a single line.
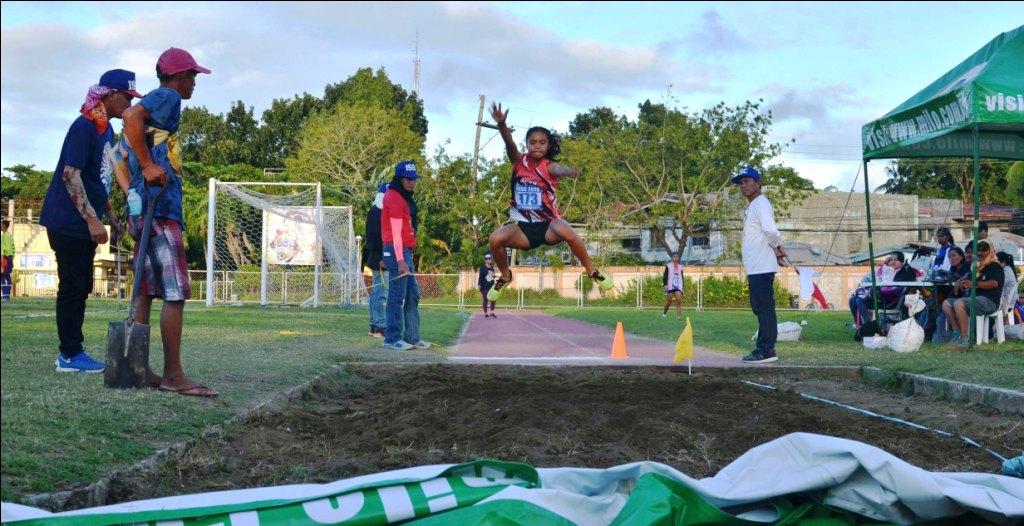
{"points": [[75, 201]]}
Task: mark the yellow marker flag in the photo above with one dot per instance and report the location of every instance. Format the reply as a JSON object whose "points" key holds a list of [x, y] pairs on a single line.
{"points": [[684, 345]]}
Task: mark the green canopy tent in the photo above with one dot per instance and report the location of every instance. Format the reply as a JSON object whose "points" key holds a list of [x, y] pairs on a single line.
{"points": [[975, 110]]}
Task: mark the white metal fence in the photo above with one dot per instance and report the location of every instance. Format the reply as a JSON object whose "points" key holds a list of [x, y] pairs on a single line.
{"points": [[530, 289]]}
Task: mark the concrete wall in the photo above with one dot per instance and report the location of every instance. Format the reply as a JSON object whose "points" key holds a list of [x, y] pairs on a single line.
{"points": [[817, 219]]}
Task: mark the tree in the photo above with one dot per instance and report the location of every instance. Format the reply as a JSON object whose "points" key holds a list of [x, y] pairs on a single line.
{"points": [[785, 177], [23, 181], [243, 138], [947, 178], [350, 144], [455, 223], [595, 119], [281, 124], [1015, 184], [668, 171], [369, 88]]}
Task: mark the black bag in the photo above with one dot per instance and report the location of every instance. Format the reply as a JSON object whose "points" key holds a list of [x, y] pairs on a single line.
{"points": [[870, 328]]}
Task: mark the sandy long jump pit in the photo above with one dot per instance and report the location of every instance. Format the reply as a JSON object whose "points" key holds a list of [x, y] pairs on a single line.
{"points": [[373, 418]]}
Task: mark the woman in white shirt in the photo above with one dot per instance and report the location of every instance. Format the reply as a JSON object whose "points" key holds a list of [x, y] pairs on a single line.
{"points": [[1010, 283]]}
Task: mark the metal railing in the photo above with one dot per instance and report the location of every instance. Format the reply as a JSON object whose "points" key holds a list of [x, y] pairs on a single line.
{"points": [[530, 289]]}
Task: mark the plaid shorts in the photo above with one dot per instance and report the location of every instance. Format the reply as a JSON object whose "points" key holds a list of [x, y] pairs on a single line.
{"points": [[165, 269]]}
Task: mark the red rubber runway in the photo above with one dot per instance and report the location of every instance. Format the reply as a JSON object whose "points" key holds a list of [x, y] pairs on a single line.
{"points": [[534, 338]]}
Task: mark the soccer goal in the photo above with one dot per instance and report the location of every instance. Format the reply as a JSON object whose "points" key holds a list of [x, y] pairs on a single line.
{"points": [[276, 243]]}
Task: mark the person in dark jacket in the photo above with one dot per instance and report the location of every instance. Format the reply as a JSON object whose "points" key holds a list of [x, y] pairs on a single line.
{"points": [[485, 281], [372, 260]]}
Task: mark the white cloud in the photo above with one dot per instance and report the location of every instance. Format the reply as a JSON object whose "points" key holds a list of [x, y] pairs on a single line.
{"points": [[266, 51]]}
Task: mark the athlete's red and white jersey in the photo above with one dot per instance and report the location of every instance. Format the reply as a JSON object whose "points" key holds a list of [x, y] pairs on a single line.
{"points": [[533, 192]]}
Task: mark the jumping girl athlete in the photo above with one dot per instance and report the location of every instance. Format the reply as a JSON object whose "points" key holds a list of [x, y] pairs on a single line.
{"points": [[535, 175]]}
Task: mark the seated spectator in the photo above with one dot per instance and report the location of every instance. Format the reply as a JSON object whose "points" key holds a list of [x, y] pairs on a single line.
{"points": [[959, 263], [892, 269], [990, 279], [939, 331]]}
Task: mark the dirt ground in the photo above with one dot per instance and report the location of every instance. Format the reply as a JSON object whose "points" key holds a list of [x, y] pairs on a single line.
{"points": [[387, 417]]}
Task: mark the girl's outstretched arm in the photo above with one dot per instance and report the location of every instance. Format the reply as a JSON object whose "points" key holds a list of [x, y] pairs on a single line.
{"points": [[506, 135], [560, 171]]}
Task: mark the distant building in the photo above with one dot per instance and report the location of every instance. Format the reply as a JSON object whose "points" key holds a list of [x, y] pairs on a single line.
{"points": [[826, 226]]}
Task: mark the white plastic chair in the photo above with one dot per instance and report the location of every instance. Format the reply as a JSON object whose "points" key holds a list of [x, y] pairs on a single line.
{"points": [[981, 331]]}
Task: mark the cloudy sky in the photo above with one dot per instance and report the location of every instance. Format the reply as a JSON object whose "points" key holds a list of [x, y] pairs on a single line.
{"points": [[822, 68]]}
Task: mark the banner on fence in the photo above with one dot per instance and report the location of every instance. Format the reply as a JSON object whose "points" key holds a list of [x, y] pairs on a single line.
{"points": [[290, 235]]}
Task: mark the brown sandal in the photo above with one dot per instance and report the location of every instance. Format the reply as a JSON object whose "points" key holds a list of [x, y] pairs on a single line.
{"points": [[198, 390]]}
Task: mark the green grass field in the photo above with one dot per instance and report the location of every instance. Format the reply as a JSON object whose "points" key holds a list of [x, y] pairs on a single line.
{"points": [[826, 341], [62, 429]]}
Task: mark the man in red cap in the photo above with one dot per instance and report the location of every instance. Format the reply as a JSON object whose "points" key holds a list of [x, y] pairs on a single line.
{"points": [[77, 198], [154, 160]]}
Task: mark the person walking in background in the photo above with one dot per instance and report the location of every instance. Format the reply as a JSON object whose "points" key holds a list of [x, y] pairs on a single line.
{"points": [[672, 281], [398, 223], [372, 260], [78, 193], [485, 281], [762, 252], [7, 261]]}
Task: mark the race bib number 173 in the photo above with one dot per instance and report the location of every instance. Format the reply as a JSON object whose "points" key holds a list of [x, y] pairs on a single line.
{"points": [[528, 197]]}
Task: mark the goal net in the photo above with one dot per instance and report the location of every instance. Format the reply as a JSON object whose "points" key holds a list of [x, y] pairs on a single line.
{"points": [[275, 243]]}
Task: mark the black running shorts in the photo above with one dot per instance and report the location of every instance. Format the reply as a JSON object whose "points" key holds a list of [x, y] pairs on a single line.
{"points": [[534, 232]]}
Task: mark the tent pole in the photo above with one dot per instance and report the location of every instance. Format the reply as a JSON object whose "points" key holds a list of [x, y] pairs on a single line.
{"points": [[971, 324], [871, 245]]}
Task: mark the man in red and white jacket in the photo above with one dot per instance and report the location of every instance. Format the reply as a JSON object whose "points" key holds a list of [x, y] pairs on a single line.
{"points": [[398, 221]]}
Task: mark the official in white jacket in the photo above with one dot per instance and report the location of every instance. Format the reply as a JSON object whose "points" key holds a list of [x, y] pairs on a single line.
{"points": [[762, 253]]}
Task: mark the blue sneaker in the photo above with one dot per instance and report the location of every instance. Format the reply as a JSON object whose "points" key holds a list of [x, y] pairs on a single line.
{"points": [[80, 363], [397, 346]]}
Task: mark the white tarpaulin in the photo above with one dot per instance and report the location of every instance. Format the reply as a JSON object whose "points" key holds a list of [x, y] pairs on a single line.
{"points": [[847, 482]]}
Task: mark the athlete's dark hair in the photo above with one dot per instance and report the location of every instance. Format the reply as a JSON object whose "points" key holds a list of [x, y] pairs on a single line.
{"points": [[554, 141]]}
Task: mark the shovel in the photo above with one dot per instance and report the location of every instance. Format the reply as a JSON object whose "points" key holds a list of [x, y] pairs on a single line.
{"points": [[128, 340]]}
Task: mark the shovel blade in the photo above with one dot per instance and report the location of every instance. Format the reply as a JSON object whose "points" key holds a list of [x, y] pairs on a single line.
{"points": [[127, 355]]}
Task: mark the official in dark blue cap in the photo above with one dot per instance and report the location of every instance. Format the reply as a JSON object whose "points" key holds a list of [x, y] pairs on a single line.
{"points": [[75, 203], [398, 224], [762, 256]]}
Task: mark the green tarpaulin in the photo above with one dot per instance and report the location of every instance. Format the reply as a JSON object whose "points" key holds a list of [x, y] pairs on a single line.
{"points": [[800, 479], [986, 90]]}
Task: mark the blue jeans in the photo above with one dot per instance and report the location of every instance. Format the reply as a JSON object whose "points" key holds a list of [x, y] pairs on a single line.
{"points": [[379, 298], [861, 310], [762, 302], [403, 300]]}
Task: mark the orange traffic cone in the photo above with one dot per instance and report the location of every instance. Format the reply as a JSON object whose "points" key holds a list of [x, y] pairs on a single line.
{"points": [[619, 343]]}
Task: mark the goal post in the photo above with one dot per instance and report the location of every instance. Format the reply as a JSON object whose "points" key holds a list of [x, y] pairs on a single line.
{"points": [[276, 243]]}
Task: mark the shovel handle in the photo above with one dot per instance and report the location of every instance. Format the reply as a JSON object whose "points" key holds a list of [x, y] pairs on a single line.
{"points": [[147, 224]]}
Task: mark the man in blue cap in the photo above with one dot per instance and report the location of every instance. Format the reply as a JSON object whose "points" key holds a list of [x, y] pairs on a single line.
{"points": [[398, 222], [762, 256], [76, 199], [372, 260]]}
